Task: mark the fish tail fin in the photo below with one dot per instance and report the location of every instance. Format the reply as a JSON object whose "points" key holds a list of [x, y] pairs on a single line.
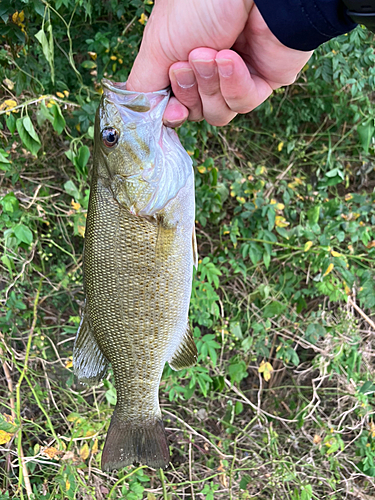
{"points": [[127, 443]]}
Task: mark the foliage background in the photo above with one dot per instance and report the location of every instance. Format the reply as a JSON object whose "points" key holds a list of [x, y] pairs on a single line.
{"points": [[281, 402]]}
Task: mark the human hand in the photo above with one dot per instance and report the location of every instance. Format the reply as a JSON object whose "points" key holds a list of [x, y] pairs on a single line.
{"points": [[187, 45]]}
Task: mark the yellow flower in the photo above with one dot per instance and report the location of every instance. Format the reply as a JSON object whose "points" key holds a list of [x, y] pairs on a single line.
{"points": [[280, 146], [8, 105], [51, 452], [66, 93], [266, 369], [329, 269], [143, 18], [261, 170], [113, 58], [51, 103], [18, 18], [95, 447], [60, 94], [93, 55], [335, 254], [84, 452], [307, 246], [281, 221], [202, 169], [9, 83], [75, 205], [5, 437]]}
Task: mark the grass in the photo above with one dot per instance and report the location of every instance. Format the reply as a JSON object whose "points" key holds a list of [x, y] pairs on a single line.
{"points": [[281, 402]]}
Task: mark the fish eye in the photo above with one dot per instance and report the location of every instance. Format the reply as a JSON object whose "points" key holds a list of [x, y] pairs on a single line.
{"points": [[110, 137]]}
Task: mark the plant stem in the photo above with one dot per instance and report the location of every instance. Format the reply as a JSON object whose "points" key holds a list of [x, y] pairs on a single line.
{"points": [[23, 473]]}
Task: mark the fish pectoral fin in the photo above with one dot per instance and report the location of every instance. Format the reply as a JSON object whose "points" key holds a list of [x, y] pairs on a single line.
{"points": [[185, 354], [164, 240], [195, 249], [89, 363]]}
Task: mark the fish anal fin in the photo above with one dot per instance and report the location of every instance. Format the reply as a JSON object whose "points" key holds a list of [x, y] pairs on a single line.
{"points": [[186, 353], [195, 249], [128, 443], [89, 363]]}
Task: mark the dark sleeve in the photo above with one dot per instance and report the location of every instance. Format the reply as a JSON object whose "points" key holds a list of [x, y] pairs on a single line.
{"points": [[305, 24]]}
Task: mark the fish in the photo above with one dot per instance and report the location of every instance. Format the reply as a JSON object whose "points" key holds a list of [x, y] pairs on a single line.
{"points": [[139, 252]]}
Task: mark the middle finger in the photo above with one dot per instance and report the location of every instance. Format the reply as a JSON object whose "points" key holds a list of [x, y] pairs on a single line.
{"points": [[215, 109]]}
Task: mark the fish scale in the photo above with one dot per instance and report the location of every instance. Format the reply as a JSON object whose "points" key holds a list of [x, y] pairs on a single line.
{"points": [[139, 254]]}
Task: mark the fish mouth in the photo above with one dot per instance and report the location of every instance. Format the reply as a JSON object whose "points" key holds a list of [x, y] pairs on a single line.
{"points": [[136, 101]]}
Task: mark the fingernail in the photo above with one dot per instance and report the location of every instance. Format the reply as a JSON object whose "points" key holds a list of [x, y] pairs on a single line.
{"points": [[225, 67], [205, 68], [172, 124], [185, 77]]}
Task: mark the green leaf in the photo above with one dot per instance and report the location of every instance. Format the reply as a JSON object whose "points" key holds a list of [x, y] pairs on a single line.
{"points": [[235, 329], [255, 253], [245, 480], [365, 132], [367, 388], [47, 47], [82, 158], [88, 64], [71, 189], [23, 234], [29, 127], [3, 158], [6, 426], [313, 332], [9, 265], [58, 119], [306, 493], [28, 135], [273, 309], [10, 203], [313, 215], [11, 123], [237, 371], [267, 260]]}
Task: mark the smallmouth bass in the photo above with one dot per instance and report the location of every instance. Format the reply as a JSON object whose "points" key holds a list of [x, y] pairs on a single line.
{"points": [[139, 253]]}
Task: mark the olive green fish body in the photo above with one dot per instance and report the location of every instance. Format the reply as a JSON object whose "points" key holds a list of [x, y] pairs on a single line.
{"points": [[138, 260]]}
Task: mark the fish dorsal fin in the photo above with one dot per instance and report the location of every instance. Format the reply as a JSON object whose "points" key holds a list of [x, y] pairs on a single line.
{"points": [[89, 363], [195, 249], [169, 172], [185, 354]]}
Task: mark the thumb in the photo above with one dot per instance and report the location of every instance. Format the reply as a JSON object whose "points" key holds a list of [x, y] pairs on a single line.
{"points": [[150, 69]]}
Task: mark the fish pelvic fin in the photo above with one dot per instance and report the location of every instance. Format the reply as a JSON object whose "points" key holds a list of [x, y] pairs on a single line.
{"points": [[127, 443], [89, 363], [186, 353]]}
